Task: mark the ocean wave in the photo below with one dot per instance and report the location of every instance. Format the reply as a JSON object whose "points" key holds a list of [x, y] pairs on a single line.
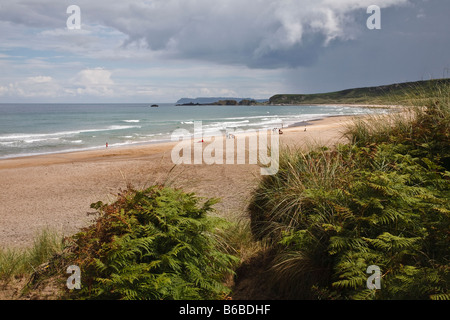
{"points": [[30, 136], [110, 128], [225, 124], [251, 117], [132, 121], [7, 143], [37, 153], [38, 140], [44, 136]]}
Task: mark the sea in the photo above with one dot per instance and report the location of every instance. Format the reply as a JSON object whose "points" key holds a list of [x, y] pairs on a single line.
{"points": [[36, 129]]}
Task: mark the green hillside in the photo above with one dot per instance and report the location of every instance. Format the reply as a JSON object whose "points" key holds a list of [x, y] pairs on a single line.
{"points": [[399, 93]]}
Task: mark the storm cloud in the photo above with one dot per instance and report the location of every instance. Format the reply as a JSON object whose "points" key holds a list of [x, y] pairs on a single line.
{"points": [[306, 45], [259, 33]]}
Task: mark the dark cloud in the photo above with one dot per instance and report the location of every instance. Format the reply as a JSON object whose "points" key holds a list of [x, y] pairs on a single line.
{"points": [[259, 34], [35, 14], [316, 45], [412, 45]]}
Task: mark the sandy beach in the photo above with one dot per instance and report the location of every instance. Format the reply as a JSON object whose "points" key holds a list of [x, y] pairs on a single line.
{"points": [[55, 191]]}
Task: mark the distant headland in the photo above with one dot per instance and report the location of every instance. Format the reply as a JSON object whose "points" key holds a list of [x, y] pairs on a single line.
{"points": [[220, 101], [397, 93]]}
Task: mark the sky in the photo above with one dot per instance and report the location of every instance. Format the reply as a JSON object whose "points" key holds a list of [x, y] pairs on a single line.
{"points": [[162, 50]]}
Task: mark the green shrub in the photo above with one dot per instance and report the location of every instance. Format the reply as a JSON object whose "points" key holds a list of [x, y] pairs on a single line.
{"points": [[158, 243]]}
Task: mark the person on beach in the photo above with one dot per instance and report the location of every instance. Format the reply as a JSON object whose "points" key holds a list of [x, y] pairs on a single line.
{"points": [[107, 145]]}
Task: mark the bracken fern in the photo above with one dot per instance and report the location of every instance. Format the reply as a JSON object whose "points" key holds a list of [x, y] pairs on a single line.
{"points": [[152, 244]]}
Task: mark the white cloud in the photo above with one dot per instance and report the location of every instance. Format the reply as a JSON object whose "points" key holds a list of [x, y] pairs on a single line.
{"points": [[39, 79], [96, 82], [37, 86], [3, 90], [89, 82], [93, 77]]}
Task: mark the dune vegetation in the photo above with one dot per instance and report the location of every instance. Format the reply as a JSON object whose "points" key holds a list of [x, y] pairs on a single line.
{"points": [[380, 200]]}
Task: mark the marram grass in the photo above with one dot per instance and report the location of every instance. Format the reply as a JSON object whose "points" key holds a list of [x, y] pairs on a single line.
{"points": [[17, 262]]}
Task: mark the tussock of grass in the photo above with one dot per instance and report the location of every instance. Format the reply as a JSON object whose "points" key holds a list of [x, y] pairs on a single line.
{"points": [[23, 262], [237, 239]]}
